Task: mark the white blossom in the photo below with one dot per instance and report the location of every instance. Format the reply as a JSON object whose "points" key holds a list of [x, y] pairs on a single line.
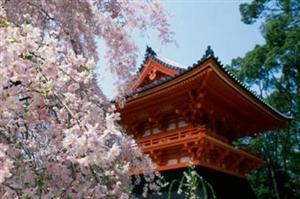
{"points": [[58, 133]]}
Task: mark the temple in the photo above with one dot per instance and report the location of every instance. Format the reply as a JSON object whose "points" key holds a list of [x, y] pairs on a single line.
{"points": [[191, 115]]}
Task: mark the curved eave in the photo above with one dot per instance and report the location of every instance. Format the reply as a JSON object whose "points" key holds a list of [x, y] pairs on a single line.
{"points": [[230, 79], [252, 93], [163, 63]]}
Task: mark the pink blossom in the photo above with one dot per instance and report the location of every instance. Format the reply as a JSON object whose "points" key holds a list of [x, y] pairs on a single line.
{"points": [[59, 135], [5, 164]]}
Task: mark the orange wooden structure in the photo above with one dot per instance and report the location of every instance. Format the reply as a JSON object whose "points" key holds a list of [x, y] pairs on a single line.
{"points": [[181, 116]]}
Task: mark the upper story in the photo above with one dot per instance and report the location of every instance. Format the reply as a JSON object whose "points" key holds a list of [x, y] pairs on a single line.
{"points": [[168, 96]]}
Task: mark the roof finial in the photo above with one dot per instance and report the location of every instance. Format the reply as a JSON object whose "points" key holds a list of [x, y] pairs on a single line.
{"points": [[209, 51], [150, 52]]}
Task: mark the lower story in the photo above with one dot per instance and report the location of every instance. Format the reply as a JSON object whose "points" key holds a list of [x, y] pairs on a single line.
{"points": [[225, 186]]}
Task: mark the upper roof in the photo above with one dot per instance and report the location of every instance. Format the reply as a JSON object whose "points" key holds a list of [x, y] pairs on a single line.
{"points": [[151, 54], [179, 71], [155, 68]]}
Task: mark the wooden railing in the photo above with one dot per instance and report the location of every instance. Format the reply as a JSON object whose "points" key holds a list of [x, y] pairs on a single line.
{"points": [[215, 153], [171, 138], [178, 136]]}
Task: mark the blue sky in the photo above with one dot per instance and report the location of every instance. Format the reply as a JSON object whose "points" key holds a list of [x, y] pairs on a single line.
{"points": [[197, 24]]}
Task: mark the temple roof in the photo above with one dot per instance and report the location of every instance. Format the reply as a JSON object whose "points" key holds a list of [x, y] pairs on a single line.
{"points": [[209, 54], [151, 54]]}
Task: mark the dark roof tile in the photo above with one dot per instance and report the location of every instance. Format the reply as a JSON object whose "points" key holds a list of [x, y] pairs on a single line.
{"points": [[208, 54], [151, 54]]}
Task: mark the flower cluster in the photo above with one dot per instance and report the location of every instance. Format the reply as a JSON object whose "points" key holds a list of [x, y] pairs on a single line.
{"points": [[59, 135], [79, 25], [5, 164]]}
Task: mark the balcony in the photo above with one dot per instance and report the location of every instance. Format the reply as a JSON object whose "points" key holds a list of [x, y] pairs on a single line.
{"points": [[181, 147]]}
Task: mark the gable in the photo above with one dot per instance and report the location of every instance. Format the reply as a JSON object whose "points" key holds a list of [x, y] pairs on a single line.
{"points": [[154, 70], [220, 87]]}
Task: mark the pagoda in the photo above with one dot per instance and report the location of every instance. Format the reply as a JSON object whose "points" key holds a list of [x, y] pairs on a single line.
{"points": [[191, 115]]}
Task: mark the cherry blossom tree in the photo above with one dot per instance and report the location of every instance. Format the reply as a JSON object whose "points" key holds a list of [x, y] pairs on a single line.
{"points": [[59, 136]]}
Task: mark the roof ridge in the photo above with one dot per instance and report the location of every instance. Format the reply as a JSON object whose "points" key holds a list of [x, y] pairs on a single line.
{"points": [[209, 53], [151, 54]]}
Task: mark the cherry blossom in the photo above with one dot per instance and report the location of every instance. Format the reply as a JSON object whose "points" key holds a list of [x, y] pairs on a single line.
{"points": [[59, 135], [79, 24]]}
